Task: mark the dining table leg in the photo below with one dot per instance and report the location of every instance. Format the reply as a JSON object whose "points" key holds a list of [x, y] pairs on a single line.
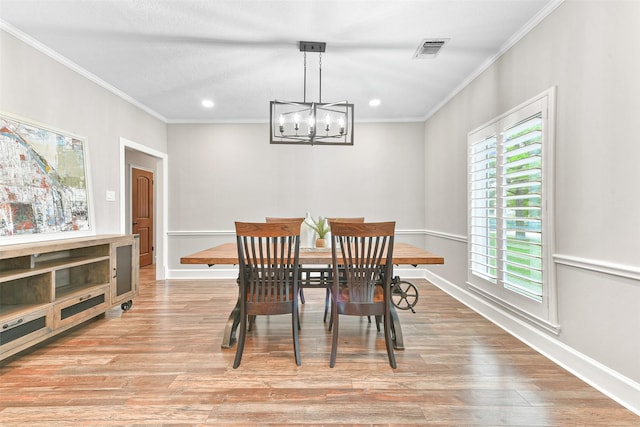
{"points": [[396, 330], [229, 337]]}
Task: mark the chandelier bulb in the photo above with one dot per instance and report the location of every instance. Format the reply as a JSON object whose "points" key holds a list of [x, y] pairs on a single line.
{"points": [[327, 123], [312, 123]]}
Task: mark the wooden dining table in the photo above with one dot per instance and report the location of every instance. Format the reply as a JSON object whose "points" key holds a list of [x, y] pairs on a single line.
{"points": [[314, 260]]}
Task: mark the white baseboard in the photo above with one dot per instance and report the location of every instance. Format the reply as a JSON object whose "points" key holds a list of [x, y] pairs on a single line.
{"points": [[611, 383]]}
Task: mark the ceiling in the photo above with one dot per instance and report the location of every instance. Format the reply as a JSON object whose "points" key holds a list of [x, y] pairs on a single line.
{"points": [[169, 55]]}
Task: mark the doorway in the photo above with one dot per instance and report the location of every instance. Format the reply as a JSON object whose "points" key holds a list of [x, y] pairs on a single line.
{"points": [[135, 155], [142, 212]]}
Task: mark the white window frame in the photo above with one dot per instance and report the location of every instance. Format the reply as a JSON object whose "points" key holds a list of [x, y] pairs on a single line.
{"points": [[542, 314]]}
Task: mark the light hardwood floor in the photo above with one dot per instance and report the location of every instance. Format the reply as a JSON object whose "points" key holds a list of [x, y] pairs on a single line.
{"points": [[161, 364]]}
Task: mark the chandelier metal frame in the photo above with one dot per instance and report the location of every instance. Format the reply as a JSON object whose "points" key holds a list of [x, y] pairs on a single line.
{"points": [[311, 123]]}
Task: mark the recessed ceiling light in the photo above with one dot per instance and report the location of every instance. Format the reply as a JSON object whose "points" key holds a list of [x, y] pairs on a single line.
{"points": [[207, 103], [374, 103]]}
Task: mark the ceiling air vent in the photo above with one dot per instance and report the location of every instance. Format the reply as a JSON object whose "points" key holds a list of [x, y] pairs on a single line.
{"points": [[429, 48]]}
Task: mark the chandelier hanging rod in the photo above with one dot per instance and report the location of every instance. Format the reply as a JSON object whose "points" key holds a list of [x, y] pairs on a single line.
{"points": [[315, 47]]}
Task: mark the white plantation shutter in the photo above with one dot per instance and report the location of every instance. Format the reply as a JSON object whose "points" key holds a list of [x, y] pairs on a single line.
{"points": [[483, 254], [521, 210], [509, 196]]}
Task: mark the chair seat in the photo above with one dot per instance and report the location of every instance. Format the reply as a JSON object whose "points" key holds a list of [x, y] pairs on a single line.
{"points": [[344, 295], [270, 295], [269, 308]]}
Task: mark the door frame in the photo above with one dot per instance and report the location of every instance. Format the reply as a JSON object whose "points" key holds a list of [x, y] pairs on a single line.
{"points": [[160, 200]]}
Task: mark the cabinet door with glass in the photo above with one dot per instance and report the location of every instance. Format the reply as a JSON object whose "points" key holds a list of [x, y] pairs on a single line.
{"points": [[124, 269]]}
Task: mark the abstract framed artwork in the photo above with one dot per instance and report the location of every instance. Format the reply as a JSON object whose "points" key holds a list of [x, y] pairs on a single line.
{"points": [[45, 190]]}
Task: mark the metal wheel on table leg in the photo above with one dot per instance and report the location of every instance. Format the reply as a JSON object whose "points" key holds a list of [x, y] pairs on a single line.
{"points": [[404, 295], [126, 305]]}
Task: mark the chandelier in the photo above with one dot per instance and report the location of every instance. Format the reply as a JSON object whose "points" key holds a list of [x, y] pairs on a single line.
{"points": [[311, 123]]}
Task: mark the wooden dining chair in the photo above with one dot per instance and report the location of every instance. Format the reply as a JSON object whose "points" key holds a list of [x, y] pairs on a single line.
{"points": [[276, 219], [348, 219], [268, 257], [327, 297], [363, 252]]}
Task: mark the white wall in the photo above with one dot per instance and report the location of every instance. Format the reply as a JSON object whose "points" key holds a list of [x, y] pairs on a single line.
{"points": [[37, 87], [589, 51], [223, 173]]}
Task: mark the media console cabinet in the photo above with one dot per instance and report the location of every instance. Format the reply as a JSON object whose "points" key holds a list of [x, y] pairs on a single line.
{"points": [[49, 287]]}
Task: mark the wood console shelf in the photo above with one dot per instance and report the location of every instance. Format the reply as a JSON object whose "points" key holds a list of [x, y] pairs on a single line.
{"points": [[49, 287]]}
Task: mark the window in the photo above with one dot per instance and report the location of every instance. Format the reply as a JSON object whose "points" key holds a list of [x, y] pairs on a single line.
{"points": [[510, 217]]}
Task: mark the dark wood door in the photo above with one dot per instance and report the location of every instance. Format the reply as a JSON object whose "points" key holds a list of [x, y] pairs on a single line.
{"points": [[142, 212]]}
